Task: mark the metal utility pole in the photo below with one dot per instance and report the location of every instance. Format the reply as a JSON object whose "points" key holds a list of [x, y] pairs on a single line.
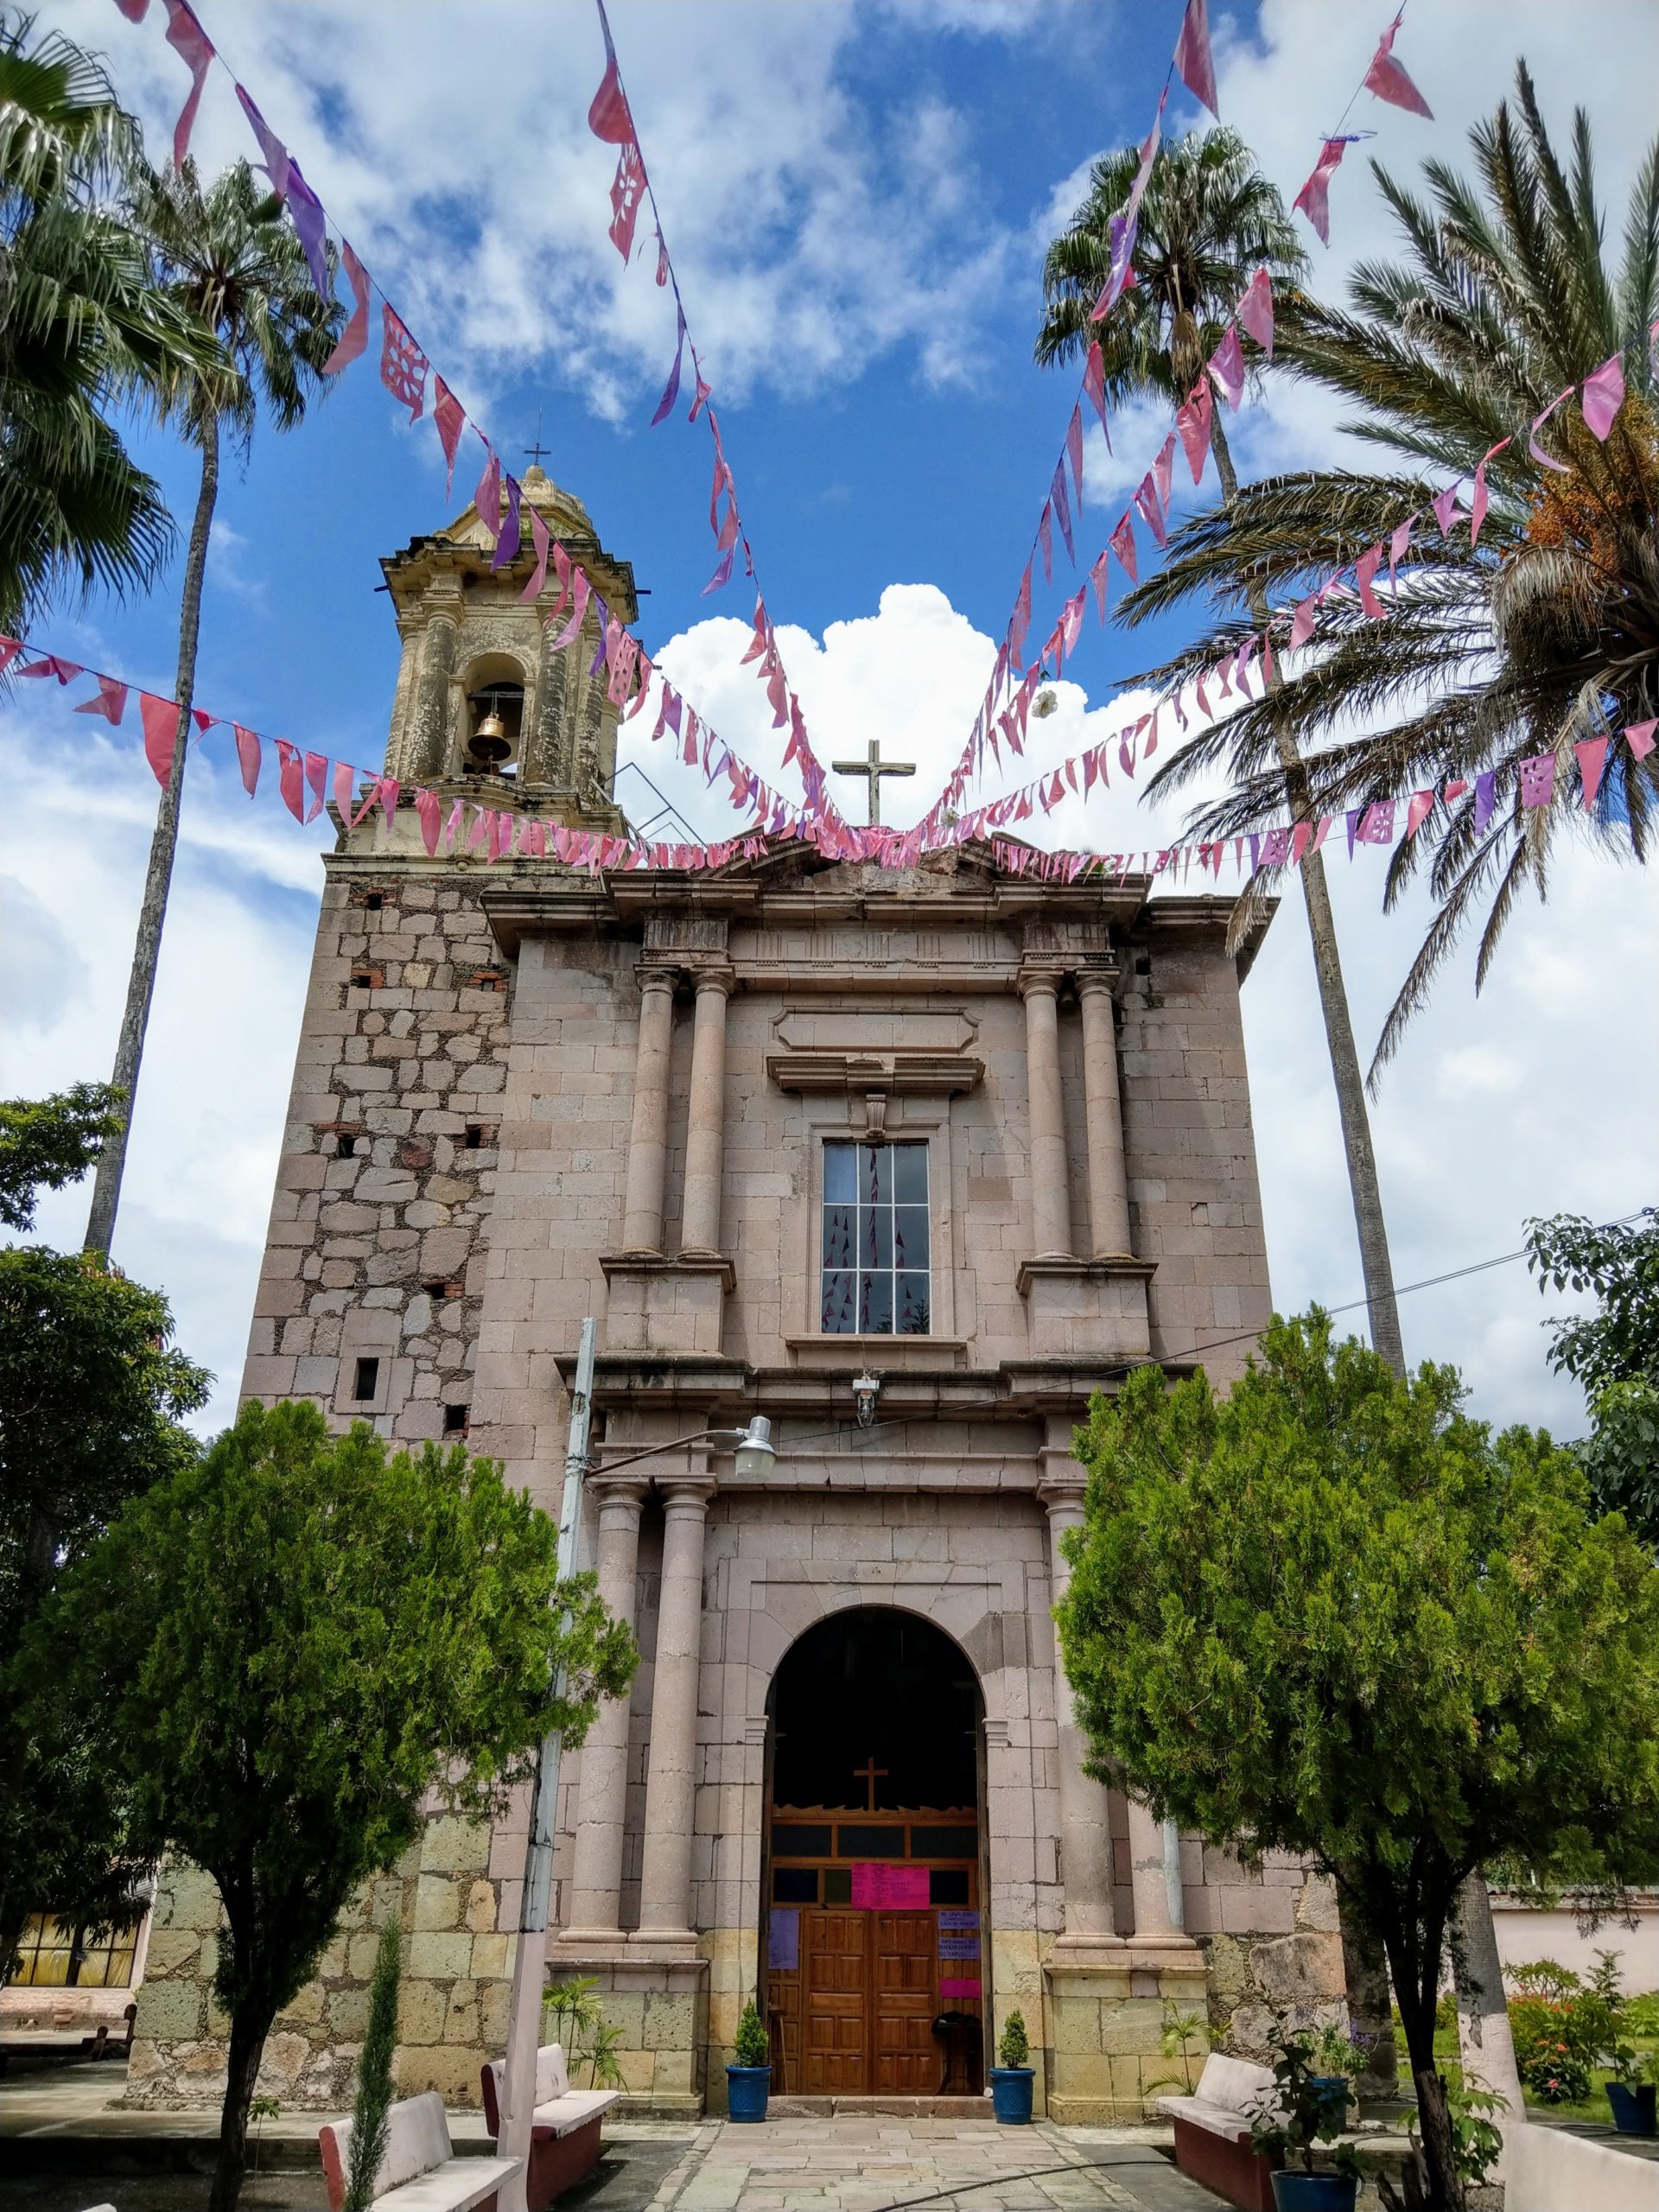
{"points": [[524, 2016]]}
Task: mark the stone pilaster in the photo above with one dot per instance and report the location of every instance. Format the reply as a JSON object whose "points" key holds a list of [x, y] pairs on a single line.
{"points": [[670, 1777], [1085, 1830], [705, 1135], [601, 1801], [1050, 1212], [426, 746], [1108, 1197], [642, 1226]]}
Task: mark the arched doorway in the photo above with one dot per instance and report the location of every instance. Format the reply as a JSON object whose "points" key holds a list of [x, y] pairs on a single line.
{"points": [[872, 1937]]}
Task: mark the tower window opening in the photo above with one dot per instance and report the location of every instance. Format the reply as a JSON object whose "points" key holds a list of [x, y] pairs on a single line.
{"points": [[497, 713], [366, 1381]]}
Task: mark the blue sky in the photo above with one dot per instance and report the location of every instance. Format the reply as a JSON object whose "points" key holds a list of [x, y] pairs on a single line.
{"points": [[857, 196]]}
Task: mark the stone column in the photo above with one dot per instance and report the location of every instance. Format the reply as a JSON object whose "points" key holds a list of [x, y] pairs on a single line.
{"points": [[601, 1803], [1148, 1872], [427, 753], [547, 751], [642, 1223], [1108, 1195], [1051, 1211], [670, 1778], [1085, 1828], [705, 1134]]}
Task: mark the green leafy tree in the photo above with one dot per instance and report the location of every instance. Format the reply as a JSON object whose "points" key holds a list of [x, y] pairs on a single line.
{"points": [[293, 1644], [226, 258], [92, 1391], [1330, 1614], [371, 2110], [83, 333], [1613, 1352], [1545, 633]]}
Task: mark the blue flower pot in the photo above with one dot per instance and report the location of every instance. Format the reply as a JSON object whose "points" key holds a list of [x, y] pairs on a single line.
{"points": [[1010, 2088], [746, 2089], [1634, 2110], [1331, 2090], [1314, 2192]]}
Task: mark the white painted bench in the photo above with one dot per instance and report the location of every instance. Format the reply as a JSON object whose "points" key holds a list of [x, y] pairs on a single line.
{"points": [[1212, 2131], [420, 2171], [564, 2124]]}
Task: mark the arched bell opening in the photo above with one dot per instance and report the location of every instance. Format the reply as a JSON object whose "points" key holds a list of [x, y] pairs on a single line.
{"points": [[493, 736], [874, 1862]]}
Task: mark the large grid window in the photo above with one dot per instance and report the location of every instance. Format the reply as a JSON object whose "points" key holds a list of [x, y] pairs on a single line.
{"points": [[55, 1955], [875, 1266]]}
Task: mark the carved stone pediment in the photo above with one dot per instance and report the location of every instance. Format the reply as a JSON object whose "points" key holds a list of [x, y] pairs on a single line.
{"points": [[898, 1072]]}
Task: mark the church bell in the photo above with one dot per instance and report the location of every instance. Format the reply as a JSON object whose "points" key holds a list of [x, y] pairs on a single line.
{"points": [[489, 744]]}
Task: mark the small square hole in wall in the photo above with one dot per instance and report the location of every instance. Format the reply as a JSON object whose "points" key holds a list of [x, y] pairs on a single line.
{"points": [[368, 979], [345, 1146], [373, 901], [454, 1421], [440, 1287], [473, 1140], [366, 1380]]}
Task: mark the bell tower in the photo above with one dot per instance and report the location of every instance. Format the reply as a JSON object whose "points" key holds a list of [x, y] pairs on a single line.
{"points": [[487, 708]]}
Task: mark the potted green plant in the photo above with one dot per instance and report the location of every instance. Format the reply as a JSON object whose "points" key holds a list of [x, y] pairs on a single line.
{"points": [[748, 2078], [1633, 2091], [1011, 2082], [1298, 2113], [1337, 2062]]}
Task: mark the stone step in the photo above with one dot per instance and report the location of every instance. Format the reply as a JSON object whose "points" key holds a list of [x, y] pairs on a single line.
{"points": [[794, 2107]]}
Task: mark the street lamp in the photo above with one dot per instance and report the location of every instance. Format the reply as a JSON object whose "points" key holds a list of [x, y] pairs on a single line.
{"points": [[755, 1458]]}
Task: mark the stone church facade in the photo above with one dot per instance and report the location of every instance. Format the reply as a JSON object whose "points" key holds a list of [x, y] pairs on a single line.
{"points": [[944, 1148]]}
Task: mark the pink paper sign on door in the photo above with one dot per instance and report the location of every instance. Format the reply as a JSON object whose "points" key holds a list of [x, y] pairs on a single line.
{"points": [[959, 1985], [892, 1889]]}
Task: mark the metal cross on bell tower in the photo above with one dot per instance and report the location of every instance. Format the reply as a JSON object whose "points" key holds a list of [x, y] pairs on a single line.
{"points": [[873, 770]]}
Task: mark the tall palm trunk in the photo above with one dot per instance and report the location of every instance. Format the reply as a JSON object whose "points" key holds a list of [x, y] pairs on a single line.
{"points": [[146, 952], [1486, 2045]]}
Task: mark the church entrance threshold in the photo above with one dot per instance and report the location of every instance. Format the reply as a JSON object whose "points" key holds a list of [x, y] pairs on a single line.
{"points": [[873, 1941]]}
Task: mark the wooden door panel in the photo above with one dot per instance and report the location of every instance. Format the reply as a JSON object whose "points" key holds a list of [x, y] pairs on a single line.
{"points": [[835, 1974], [906, 2058]]}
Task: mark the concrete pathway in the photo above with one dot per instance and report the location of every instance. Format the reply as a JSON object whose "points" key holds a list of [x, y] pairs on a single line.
{"points": [[871, 2165]]}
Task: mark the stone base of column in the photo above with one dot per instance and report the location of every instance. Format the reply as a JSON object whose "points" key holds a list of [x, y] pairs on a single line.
{"points": [[1106, 2006], [1093, 1308], [662, 1945], [670, 1305], [662, 2007], [573, 1945]]}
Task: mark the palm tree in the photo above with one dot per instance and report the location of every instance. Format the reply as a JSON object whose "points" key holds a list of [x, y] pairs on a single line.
{"points": [[227, 257], [1544, 634], [81, 332], [1209, 220]]}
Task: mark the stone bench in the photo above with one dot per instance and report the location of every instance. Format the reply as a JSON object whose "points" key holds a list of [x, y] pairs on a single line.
{"points": [[420, 2171], [564, 2124], [1212, 2131]]}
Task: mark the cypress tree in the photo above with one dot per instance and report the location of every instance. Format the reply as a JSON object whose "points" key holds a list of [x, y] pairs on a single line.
{"points": [[370, 2112]]}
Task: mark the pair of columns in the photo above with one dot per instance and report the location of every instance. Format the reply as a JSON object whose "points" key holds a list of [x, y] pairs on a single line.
{"points": [[1085, 1834], [705, 1139], [593, 1916], [1108, 1196]]}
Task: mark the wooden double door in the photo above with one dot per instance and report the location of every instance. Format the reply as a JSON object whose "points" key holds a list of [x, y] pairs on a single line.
{"points": [[867, 1996]]}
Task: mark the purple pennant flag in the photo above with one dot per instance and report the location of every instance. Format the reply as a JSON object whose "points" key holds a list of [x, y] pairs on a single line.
{"points": [[1074, 452], [310, 222], [1122, 231], [723, 575], [1485, 798], [508, 544], [671, 392], [1062, 507], [1046, 541], [275, 154]]}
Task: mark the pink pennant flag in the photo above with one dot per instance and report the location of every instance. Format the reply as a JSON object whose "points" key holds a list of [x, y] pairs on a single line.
{"points": [[1544, 460], [1226, 366], [1192, 60], [1377, 828], [1256, 310], [111, 702], [1388, 80], [1097, 577], [1604, 395], [1301, 622], [316, 775], [608, 112], [1538, 779], [1445, 506], [1021, 624], [1422, 806], [1201, 695], [290, 778], [1074, 454], [542, 539], [1163, 471], [1593, 755], [1147, 506], [1122, 543], [192, 45], [1192, 420], [486, 499], [403, 365], [1399, 544], [1093, 383], [345, 797], [387, 792], [1365, 569], [1640, 738], [1478, 503], [627, 192], [1267, 659], [247, 757], [161, 720], [450, 417], [355, 337], [1314, 198]]}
